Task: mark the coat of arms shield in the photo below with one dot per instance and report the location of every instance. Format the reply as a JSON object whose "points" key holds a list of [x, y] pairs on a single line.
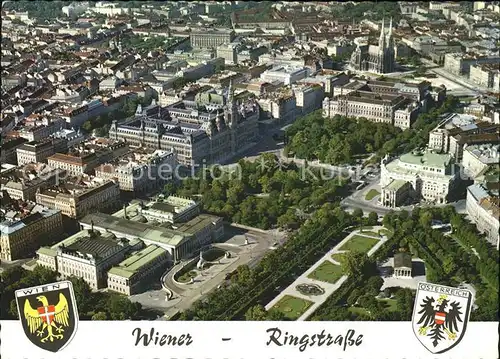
{"points": [[48, 314], [440, 316]]}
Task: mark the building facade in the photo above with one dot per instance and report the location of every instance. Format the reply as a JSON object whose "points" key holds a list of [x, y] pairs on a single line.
{"points": [[25, 188], [130, 275], [197, 134], [402, 265], [78, 203], [203, 39], [34, 152], [396, 110], [455, 131], [143, 175], [87, 255], [172, 210], [393, 102], [285, 74], [484, 75], [476, 158], [74, 165], [484, 210], [431, 177], [25, 231]]}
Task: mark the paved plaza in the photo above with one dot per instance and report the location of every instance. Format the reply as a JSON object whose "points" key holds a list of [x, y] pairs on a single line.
{"points": [[247, 246], [328, 288]]}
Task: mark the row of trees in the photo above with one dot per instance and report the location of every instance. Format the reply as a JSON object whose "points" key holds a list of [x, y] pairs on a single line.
{"points": [[413, 60], [264, 193], [91, 305], [340, 139]]}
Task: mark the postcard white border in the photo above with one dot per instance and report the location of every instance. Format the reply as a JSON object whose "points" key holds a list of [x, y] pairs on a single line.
{"points": [[381, 340]]}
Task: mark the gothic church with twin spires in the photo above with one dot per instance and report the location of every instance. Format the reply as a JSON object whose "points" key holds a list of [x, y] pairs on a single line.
{"points": [[379, 59]]}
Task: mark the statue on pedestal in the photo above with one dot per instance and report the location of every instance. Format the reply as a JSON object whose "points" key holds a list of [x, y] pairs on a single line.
{"points": [[201, 261]]}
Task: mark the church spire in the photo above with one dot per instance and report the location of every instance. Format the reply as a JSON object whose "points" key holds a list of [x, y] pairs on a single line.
{"points": [[381, 40], [230, 92], [389, 36]]}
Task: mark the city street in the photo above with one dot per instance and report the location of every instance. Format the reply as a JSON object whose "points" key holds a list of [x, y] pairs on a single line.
{"points": [[459, 80]]}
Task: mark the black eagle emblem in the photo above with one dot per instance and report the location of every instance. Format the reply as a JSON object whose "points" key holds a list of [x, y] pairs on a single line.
{"points": [[439, 318]]}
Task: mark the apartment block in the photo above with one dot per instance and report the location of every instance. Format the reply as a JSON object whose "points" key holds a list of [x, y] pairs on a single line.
{"points": [[77, 198], [484, 210], [25, 226], [140, 170], [23, 182]]}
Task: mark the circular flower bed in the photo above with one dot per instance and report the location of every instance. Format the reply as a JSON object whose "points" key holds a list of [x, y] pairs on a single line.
{"points": [[310, 289]]}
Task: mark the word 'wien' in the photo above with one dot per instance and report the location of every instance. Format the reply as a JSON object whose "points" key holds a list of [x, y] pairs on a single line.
{"points": [[318, 339], [155, 338]]}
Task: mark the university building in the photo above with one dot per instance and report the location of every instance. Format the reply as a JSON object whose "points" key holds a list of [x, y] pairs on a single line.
{"points": [[392, 102], [211, 38]]}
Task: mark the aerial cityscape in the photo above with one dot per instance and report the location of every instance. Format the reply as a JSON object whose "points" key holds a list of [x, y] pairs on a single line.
{"points": [[244, 160]]}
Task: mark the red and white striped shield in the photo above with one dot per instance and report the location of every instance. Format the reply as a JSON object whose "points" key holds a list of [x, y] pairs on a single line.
{"points": [[439, 318]]}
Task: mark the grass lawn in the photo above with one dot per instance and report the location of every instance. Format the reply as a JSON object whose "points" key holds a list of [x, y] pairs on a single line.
{"points": [[338, 257], [327, 272], [390, 304], [186, 277], [372, 194], [292, 307], [359, 243], [370, 233]]}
